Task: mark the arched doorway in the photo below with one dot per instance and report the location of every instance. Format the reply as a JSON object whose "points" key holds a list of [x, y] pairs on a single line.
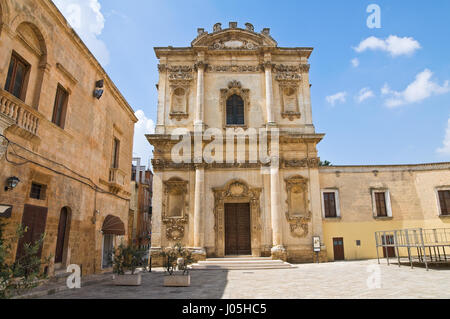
{"points": [[237, 219], [63, 235], [112, 227]]}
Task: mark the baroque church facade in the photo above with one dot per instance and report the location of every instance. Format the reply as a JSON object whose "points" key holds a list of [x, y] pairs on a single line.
{"points": [[241, 80]]}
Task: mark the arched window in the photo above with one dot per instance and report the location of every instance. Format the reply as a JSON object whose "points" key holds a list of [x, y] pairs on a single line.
{"points": [[235, 110]]}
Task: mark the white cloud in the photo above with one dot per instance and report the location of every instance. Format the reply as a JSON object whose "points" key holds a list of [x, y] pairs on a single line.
{"points": [[141, 147], [395, 45], [340, 97], [421, 88], [445, 149], [364, 94], [88, 21], [355, 62]]}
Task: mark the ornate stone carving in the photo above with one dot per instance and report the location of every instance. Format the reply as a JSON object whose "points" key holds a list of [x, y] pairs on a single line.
{"points": [[298, 214], [217, 27], [234, 44], [162, 164], [175, 208], [249, 27], [299, 226], [237, 191], [180, 72], [289, 72], [289, 99], [175, 229], [306, 162], [235, 68]]}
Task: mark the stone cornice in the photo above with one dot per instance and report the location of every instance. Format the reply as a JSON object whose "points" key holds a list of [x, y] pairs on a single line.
{"points": [[384, 168]]}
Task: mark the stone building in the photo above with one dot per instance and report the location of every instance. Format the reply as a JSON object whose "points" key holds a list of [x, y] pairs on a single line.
{"points": [[67, 136], [238, 80], [139, 221]]}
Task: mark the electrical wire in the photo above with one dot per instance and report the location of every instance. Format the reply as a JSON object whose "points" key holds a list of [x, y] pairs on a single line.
{"points": [[90, 183]]}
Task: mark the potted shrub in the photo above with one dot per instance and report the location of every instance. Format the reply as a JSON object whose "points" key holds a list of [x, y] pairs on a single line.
{"points": [[176, 261], [126, 260]]}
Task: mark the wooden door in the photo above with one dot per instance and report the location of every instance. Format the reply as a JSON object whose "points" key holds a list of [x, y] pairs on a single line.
{"points": [[388, 251], [338, 247], [34, 219], [62, 230], [237, 229]]}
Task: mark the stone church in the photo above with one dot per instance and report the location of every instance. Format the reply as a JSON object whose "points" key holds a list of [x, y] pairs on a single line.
{"points": [[239, 80]]}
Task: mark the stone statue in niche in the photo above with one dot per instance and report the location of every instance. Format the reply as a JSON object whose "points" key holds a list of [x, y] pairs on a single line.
{"points": [[176, 204], [298, 214], [179, 101], [175, 207], [290, 101]]}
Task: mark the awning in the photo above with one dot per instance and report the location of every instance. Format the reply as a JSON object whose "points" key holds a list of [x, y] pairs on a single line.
{"points": [[113, 226]]}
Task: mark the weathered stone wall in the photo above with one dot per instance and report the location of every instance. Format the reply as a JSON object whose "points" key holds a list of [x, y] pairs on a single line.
{"points": [[73, 161]]}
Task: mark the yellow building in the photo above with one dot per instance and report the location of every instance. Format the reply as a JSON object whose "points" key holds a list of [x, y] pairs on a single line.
{"points": [[67, 136]]}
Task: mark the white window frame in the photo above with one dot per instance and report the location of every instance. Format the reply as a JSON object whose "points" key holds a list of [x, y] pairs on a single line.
{"points": [[337, 200], [387, 196], [437, 190]]}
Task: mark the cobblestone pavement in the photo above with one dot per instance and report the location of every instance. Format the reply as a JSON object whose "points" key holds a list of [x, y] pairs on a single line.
{"points": [[329, 280]]}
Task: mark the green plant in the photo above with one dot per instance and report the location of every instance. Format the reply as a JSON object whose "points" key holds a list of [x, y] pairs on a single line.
{"points": [[171, 256], [25, 272], [128, 258], [325, 163]]}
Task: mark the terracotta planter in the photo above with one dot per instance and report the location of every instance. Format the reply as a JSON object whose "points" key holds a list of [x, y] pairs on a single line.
{"points": [[177, 280], [128, 280]]}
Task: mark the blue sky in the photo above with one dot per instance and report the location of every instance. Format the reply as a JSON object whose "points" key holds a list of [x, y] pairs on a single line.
{"points": [[382, 96]]}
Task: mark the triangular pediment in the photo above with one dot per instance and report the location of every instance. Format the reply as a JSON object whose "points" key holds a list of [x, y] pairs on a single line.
{"points": [[234, 39]]}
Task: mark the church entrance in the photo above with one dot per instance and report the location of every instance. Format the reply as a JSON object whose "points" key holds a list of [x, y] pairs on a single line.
{"points": [[237, 229]]}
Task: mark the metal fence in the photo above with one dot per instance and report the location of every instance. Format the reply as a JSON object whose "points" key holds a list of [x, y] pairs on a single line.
{"points": [[424, 246]]}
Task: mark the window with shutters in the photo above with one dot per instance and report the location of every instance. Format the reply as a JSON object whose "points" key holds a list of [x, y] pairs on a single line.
{"points": [[60, 107], [38, 191], [235, 110], [330, 203], [17, 77], [381, 203], [444, 202]]}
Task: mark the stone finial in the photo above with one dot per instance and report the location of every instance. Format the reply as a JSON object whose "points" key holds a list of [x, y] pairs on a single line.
{"points": [[266, 31], [217, 27], [249, 27], [200, 31], [233, 25]]}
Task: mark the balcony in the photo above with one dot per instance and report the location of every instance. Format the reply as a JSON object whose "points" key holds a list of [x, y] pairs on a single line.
{"points": [[24, 118], [116, 180]]}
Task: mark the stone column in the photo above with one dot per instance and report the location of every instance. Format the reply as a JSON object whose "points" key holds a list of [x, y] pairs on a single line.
{"points": [[199, 111], [199, 232], [157, 234], [278, 250], [160, 128], [269, 93]]}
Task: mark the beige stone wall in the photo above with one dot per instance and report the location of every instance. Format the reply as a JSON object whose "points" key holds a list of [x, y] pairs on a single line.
{"points": [[413, 196], [81, 153]]}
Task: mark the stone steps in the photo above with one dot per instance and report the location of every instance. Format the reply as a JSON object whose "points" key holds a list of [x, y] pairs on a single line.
{"points": [[237, 263]]}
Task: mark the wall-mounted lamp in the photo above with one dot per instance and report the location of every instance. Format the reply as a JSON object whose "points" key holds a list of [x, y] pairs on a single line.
{"points": [[11, 183], [98, 92], [94, 217]]}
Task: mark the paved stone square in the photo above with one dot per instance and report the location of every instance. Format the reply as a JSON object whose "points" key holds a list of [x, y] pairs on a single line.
{"points": [[328, 280]]}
